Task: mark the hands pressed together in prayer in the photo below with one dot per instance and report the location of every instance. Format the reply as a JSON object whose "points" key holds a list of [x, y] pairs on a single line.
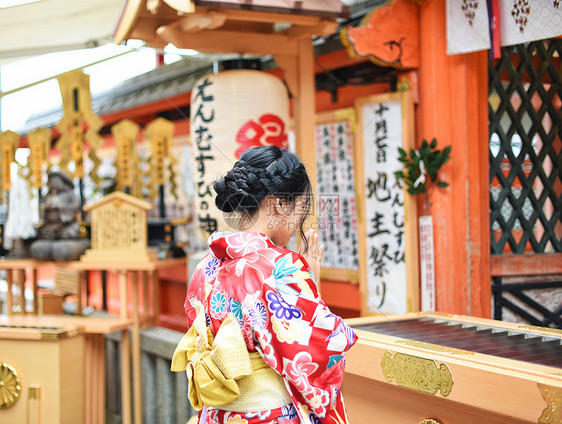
{"points": [[313, 254]]}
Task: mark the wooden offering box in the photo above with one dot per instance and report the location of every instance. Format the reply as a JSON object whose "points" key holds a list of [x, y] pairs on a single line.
{"points": [[450, 369], [41, 374]]}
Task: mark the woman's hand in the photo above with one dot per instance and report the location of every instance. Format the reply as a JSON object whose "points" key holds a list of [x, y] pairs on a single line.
{"points": [[313, 255]]}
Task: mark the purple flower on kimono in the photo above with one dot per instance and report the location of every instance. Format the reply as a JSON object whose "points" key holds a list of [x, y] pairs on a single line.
{"points": [[288, 411], [211, 268], [314, 419], [281, 308], [258, 315]]}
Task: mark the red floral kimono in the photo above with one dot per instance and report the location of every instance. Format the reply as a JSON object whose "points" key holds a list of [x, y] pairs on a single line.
{"points": [[272, 293]]}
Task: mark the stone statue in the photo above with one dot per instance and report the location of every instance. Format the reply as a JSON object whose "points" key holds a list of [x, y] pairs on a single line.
{"points": [[59, 236], [59, 209]]}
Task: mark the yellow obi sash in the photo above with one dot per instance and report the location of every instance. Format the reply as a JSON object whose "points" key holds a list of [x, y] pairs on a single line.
{"points": [[221, 371]]}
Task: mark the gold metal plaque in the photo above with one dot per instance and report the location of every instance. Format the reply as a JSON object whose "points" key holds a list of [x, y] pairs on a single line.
{"points": [[554, 331], [10, 385], [417, 373], [552, 414], [435, 347]]}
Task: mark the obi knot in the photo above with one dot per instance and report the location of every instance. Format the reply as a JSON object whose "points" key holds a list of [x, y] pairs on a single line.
{"points": [[213, 363]]}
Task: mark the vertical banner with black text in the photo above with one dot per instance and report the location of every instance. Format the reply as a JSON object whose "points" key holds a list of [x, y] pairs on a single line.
{"points": [[389, 277]]}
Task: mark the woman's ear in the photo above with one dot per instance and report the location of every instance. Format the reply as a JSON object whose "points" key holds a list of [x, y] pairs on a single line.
{"points": [[273, 206], [278, 206]]}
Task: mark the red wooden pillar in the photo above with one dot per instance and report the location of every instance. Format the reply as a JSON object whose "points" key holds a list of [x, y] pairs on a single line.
{"points": [[454, 109]]}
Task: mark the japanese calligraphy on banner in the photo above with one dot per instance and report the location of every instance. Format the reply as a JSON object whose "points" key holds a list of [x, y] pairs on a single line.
{"points": [[337, 205], [389, 278], [231, 112]]}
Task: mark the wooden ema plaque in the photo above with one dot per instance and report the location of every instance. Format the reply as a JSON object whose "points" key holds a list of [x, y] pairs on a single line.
{"points": [[119, 230]]}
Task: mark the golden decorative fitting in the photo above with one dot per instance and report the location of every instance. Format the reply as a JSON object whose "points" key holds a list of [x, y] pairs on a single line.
{"points": [[535, 328], [434, 347], [10, 385], [430, 421], [417, 373], [34, 393], [552, 414]]}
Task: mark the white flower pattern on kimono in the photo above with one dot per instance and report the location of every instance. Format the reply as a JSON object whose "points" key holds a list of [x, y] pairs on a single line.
{"points": [[299, 369]]}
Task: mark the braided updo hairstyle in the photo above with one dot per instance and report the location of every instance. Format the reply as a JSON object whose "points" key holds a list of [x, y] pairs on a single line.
{"points": [[262, 171]]}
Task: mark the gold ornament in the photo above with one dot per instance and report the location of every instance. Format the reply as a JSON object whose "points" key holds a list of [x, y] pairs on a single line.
{"points": [[39, 144], [160, 133], [78, 115], [552, 414], [8, 144], [125, 134], [10, 385], [417, 373]]}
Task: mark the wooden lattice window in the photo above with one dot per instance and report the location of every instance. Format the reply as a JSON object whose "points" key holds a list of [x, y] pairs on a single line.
{"points": [[525, 149]]}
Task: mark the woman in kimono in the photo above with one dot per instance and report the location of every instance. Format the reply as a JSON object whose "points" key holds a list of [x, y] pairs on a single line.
{"points": [[263, 347]]}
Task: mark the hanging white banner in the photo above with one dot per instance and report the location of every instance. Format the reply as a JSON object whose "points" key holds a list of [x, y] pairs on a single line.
{"points": [[522, 21], [427, 263], [384, 207], [467, 26]]}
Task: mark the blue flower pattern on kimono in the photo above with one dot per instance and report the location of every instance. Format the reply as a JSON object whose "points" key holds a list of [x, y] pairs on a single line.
{"points": [[262, 415], [284, 268], [236, 309], [218, 305]]}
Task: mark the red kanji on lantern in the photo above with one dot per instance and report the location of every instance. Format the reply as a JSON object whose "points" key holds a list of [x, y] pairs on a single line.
{"points": [[269, 130]]}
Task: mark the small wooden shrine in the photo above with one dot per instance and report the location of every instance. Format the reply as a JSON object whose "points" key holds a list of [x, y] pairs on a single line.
{"points": [[119, 230]]}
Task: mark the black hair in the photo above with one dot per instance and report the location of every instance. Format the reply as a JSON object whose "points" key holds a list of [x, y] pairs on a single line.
{"points": [[262, 171]]}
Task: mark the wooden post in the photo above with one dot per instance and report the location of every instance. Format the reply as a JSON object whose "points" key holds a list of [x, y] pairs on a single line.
{"points": [[155, 296], [454, 109], [137, 382], [125, 354], [305, 120], [304, 112], [89, 375], [21, 283], [34, 290], [9, 300], [81, 290], [146, 311]]}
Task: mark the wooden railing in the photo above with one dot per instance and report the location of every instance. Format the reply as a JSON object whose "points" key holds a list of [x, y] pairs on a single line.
{"points": [[164, 393]]}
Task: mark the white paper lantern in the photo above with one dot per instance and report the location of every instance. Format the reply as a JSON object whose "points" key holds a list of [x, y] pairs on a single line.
{"points": [[231, 112]]}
